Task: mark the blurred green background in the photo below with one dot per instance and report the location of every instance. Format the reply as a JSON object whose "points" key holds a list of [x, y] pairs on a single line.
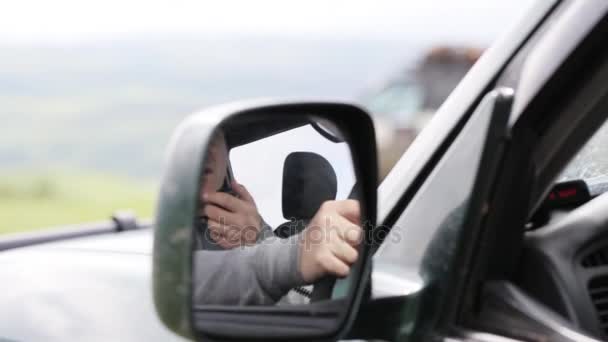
{"points": [[90, 92], [84, 125], [31, 200]]}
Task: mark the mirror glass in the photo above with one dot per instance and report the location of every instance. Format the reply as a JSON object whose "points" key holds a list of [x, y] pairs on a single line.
{"points": [[279, 221]]}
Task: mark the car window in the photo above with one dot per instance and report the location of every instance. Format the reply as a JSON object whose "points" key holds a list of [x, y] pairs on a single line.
{"points": [[591, 163], [422, 239], [259, 167]]}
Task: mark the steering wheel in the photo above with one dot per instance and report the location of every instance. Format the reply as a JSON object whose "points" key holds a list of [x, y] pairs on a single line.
{"points": [[323, 288]]}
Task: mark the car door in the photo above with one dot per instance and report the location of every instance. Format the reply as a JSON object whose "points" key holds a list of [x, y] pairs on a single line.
{"points": [[444, 213], [427, 238]]}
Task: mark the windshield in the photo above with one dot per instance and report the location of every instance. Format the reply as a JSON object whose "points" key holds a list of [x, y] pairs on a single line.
{"points": [[591, 163]]}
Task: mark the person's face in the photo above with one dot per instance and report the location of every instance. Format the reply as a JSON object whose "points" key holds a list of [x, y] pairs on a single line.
{"points": [[216, 164]]}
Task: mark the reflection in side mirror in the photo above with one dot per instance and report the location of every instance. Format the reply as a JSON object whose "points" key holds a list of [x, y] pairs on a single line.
{"points": [[273, 225], [241, 202], [309, 180]]}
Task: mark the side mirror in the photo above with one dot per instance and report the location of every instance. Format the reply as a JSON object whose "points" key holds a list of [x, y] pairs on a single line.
{"points": [[222, 187]]}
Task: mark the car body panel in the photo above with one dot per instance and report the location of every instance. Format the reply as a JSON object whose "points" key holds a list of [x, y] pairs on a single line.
{"points": [[86, 289]]}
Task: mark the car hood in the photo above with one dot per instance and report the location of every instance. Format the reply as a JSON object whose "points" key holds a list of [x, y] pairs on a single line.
{"points": [[96, 288]]}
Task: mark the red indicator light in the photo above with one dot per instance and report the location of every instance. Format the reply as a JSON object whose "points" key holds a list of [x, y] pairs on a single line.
{"points": [[567, 193]]}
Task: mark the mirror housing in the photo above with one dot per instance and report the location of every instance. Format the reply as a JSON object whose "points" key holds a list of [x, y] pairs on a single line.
{"points": [[178, 198]]}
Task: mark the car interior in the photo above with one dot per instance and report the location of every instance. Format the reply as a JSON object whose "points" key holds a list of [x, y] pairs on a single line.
{"points": [[564, 262], [308, 181], [308, 178], [560, 287], [562, 275], [557, 287]]}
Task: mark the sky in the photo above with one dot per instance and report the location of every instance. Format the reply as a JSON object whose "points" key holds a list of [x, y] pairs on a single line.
{"points": [[73, 21]]}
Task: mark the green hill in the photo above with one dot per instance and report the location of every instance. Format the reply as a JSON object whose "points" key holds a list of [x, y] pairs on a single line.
{"points": [[110, 107], [33, 201]]}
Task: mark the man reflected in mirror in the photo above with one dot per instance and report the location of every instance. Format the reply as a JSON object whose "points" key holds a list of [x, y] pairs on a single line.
{"points": [[250, 270], [227, 208]]}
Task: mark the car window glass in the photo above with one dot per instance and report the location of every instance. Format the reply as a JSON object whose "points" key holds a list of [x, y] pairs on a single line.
{"points": [[591, 163], [426, 231]]}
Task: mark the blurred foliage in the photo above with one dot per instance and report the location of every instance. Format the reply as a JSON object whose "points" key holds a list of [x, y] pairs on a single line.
{"points": [[111, 106], [30, 200]]}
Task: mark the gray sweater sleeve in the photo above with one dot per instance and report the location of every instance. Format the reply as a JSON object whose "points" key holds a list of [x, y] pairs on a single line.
{"points": [[266, 232], [254, 275]]}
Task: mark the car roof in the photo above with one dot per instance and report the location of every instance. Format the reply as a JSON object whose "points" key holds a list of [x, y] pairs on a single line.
{"points": [[131, 242], [95, 288]]}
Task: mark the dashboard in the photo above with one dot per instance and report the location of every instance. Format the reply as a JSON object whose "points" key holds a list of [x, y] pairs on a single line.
{"points": [[564, 264]]}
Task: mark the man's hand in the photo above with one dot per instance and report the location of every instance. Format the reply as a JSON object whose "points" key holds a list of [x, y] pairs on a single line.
{"points": [[232, 221], [329, 241]]}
